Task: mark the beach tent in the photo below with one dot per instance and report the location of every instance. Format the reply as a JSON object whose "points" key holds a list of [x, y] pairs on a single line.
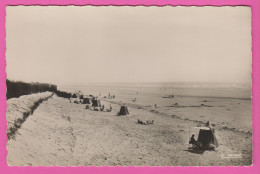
{"points": [[123, 110], [87, 100], [207, 136], [96, 103]]}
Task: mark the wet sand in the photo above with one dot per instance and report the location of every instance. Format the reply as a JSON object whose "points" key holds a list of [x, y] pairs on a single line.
{"points": [[60, 133]]}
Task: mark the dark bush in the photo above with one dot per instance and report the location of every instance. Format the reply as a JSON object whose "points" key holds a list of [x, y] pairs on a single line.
{"points": [[18, 88], [63, 94]]}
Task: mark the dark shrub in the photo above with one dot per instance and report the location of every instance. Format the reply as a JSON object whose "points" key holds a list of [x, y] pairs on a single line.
{"points": [[63, 94], [17, 89]]}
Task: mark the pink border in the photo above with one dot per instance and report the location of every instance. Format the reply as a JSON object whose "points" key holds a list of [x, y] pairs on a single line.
{"points": [[255, 168]]}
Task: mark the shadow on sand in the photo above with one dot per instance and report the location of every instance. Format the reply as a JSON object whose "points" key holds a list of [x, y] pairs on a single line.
{"points": [[195, 151]]}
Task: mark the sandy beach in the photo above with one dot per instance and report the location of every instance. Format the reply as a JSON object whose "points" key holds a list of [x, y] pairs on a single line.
{"points": [[184, 73], [60, 133]]}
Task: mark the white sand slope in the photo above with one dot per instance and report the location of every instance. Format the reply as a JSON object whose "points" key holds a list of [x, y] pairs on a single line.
{"points": [[20, 108], [60, 133]]}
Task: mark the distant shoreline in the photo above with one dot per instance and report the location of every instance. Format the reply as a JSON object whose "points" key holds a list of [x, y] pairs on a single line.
{"points": [[232, 98], [164, 84]]}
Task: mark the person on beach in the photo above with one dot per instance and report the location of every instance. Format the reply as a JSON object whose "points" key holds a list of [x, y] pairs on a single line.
{"points": [[192, 140], [102, 108]]}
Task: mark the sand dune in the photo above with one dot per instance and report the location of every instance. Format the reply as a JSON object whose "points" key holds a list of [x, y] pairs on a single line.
{"points": [[18, 109]]}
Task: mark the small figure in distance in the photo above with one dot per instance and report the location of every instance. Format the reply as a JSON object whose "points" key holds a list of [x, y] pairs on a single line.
{"points": [[140, 122], [102, 107]]}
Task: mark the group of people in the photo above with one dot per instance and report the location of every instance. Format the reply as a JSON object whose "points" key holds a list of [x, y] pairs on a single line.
{"points": [[145, 122], [109, 110], [102, 108], [111, 96]]}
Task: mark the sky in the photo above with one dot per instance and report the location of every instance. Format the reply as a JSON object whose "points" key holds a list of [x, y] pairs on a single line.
{"points": [[106, 44]]}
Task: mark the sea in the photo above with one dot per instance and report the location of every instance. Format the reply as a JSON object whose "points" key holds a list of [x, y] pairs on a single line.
{"points": [[184, 89]]}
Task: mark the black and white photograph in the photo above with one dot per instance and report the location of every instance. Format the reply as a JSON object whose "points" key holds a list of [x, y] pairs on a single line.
{"points": [[129, 86]]}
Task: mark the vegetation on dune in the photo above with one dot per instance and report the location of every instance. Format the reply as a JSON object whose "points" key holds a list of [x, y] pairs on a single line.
{"points": [[63, 94], [16, 89]]}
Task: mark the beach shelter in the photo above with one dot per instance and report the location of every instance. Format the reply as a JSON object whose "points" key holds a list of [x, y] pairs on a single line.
{"points": [[96, 103], [207, 136], [87, 100], [123, 110]]}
